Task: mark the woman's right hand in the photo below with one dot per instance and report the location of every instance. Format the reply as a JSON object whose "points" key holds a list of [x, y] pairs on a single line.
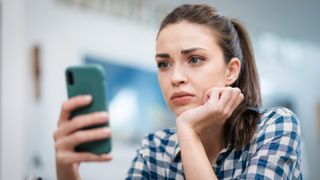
{"points": [[69, 134]]}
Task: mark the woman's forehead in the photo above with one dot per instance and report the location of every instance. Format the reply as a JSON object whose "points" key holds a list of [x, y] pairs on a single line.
{"points": [[185, 35]]}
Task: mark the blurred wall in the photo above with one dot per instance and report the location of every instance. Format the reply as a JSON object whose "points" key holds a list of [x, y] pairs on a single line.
{"points": [[13, 81]]}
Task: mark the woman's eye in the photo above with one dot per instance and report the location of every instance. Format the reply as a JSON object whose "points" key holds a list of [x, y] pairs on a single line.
{"points": [[163, 65], [195, 60]]}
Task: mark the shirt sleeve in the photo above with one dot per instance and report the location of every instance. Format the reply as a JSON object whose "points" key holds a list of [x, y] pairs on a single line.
{"points": [[278, 150], [138, 169]]}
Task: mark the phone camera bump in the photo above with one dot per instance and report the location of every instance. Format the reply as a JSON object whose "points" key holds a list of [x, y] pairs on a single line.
{"points": [[70, 78]]}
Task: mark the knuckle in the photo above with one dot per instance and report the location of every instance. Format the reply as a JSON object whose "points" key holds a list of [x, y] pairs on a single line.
{"points": [[64, 106], [229, 114], [88, 119], [92, 158], [215, 111], [237, 90], [99, 117], [85, 120], [78, 136], [62, 158], [96, 116], [57, 146], [101, 133], [219, 109], [72, 103], [225, 112], [59, 156], [80, 121]]}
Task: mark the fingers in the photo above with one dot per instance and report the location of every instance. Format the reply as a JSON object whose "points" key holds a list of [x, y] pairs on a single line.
{"points": [[89, 157], [70, 134], [82, 136], [223, 99], [73, 157], [80, 122], [212, 95], [229, 96], [230, 100], [239, 100], [226, 97], [72, 104]]}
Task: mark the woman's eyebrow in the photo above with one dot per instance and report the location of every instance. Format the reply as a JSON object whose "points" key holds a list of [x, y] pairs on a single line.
{"points": [[163, 55], [184, 51], [187, 51]]}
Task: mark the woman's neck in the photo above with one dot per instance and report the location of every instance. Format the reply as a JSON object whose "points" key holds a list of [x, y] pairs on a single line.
{"points": [[213, 142]]}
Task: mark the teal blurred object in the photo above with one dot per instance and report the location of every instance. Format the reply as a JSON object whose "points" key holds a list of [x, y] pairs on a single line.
{"points": [[89, 80]]}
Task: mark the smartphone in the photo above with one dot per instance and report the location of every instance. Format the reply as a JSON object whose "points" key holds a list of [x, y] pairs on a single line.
{"points": [[89, 80]]}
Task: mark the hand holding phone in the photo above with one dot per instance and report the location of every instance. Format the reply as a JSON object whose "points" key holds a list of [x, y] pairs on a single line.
{"points": [[69, 134], [89, 80], [82, 119]]}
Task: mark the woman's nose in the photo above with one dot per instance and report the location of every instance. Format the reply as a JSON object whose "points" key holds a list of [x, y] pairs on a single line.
{"points": [[178, 77]]}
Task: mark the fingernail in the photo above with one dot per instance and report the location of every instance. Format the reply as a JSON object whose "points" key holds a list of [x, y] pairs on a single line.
{"points": [[87, 97], [107, 130], [102, 113]]}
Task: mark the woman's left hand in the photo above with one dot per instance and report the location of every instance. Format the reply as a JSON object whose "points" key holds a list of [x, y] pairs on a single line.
{"points": [[218, 105]]}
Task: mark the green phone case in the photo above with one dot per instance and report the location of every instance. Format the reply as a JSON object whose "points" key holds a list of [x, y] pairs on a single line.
{"points": [[84, 80]]}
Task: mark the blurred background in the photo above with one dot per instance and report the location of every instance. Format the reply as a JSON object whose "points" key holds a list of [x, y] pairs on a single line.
{"points": [[40, 38]]}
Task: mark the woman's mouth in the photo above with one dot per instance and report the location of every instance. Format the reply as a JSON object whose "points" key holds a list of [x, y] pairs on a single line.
{"points": [[181, 98]]}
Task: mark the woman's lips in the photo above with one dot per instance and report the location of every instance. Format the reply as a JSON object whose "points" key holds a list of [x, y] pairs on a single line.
{"points": [[181, 98]]}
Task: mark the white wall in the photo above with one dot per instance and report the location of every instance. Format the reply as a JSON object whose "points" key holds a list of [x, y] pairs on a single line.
{"points": [[13, 82]]}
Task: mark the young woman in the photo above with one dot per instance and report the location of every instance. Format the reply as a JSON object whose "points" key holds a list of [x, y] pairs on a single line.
{"points": [[208, 78]]}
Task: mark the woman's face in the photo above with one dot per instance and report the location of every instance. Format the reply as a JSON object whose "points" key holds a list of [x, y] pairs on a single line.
{"points": [[190, 62]]}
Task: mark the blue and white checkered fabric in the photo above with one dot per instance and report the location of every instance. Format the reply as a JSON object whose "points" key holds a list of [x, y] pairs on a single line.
{"points": [[274, 153]]}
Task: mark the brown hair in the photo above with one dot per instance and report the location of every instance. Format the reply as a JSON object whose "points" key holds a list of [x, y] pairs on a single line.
{"points": [[234, 42]]}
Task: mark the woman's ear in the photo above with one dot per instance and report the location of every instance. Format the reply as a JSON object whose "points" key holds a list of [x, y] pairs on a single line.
{"points": [[232, 71]]}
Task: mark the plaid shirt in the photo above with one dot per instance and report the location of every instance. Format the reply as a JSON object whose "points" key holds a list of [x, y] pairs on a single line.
{"points": [[273, 153]]}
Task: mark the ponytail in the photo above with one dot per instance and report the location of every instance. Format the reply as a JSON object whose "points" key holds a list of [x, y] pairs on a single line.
{"points": [[241, 126], [250, 79]]}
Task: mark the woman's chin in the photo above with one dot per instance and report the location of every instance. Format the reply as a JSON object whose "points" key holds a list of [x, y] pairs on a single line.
{"points": [[178, 110]]}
